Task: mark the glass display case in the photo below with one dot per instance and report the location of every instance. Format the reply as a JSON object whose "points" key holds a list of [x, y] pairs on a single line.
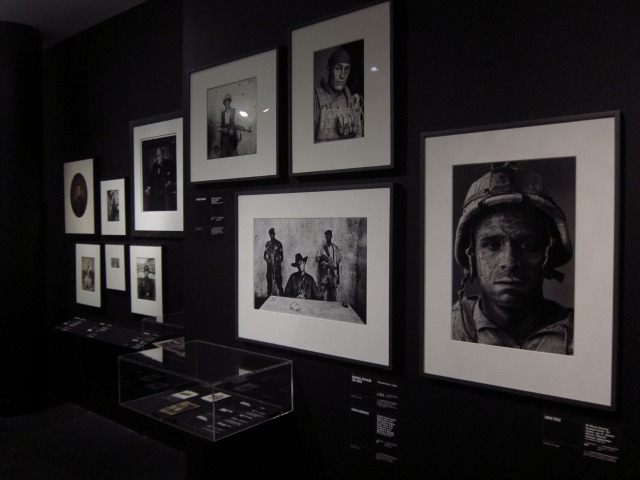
{"points": [[209, 390]]}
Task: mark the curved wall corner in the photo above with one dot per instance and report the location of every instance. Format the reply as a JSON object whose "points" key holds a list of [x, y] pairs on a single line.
{"points": [[23, 371]]}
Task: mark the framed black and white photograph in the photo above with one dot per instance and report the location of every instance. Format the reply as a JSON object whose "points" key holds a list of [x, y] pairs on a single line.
{"points": [[341, 93], [520, 257], [145, 270], [115, 265], [79, 216], [113, 207], [157, 175], [313, 271], [88, 274], [234, 119]]}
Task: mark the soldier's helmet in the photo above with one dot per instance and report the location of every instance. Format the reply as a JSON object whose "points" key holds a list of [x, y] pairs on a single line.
{"points": [[513, 187]]}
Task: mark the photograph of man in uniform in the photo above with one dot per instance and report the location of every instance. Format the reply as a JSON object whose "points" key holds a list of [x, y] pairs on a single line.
{"points": [[88, 274], [328, 261], [146, 278], [232, 119], [338, 98], [159, 174], [334, 277], [274, 255], [78, 195], [510, 239], [113, 206]]}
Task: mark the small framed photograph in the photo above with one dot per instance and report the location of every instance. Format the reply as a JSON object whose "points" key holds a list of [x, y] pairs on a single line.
{"points": [[234, 119], [79, 216], [341, 93], [523, 295], [113, 207], [146, 279], [114, 260], [88, 274], [157, 175], [313, 271]]}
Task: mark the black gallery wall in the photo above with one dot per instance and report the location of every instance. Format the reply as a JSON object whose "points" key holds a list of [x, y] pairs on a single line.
{"points": [[457, 64]]}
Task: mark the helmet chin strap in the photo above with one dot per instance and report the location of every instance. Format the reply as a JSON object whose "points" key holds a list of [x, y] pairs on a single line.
{"points": [[549, 272]]}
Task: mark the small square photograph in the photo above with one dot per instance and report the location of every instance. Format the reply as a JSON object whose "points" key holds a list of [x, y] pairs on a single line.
{"points": [[115, 262], [232, 119]]}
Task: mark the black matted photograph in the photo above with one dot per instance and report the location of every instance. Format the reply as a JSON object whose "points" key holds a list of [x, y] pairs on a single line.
{"points": [[520, 257], [315, 267], [338, 93], [314, 271], [232, 119]]}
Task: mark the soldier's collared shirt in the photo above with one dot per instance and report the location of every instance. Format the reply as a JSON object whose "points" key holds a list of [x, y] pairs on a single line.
{"points": [[470, 324]]}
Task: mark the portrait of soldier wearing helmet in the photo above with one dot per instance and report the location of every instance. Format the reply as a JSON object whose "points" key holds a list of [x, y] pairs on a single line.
{"points": [[510, 241], [338, 97]]}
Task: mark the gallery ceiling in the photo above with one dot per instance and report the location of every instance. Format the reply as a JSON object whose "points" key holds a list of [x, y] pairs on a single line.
{"points": [[60, 19]]}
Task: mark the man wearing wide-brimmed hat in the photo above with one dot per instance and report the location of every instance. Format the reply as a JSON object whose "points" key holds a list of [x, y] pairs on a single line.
{"points": [[300, 283]]}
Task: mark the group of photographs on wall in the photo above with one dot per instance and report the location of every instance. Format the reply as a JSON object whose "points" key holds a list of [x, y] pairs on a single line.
{"points": [[519, 221], [145, 275], [234, 105]]}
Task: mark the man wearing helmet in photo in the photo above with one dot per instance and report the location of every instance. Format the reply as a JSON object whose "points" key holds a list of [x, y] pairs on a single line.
{"points": [[338, 113], [512, 236]]}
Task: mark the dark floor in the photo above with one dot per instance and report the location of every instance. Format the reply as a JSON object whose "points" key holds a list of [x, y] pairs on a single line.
{"points": [[68, 442]]}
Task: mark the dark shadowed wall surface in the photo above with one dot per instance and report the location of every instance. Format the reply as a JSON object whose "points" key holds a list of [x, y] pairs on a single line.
{"points": [[458, 64]]}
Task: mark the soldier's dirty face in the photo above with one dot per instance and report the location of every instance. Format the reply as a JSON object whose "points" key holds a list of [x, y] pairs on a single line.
{"points": [[510, 250]]}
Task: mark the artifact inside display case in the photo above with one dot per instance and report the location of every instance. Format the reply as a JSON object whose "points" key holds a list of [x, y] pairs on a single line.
{"points": [[209, 390]]}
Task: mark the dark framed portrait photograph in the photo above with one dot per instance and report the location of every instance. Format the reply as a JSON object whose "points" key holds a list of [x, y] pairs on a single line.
{"points": [[341, 93], [515, 304], [307, 262], [158, 175], [234, 119], [145, 272], [79, 207], [88, 274], [113, 207]]}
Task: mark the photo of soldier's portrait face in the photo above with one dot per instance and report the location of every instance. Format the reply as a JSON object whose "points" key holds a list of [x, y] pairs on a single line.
{"points": [[78, 195], [512, 265], [88, 274], [146, 276], [232, 119], [339, 92]]}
